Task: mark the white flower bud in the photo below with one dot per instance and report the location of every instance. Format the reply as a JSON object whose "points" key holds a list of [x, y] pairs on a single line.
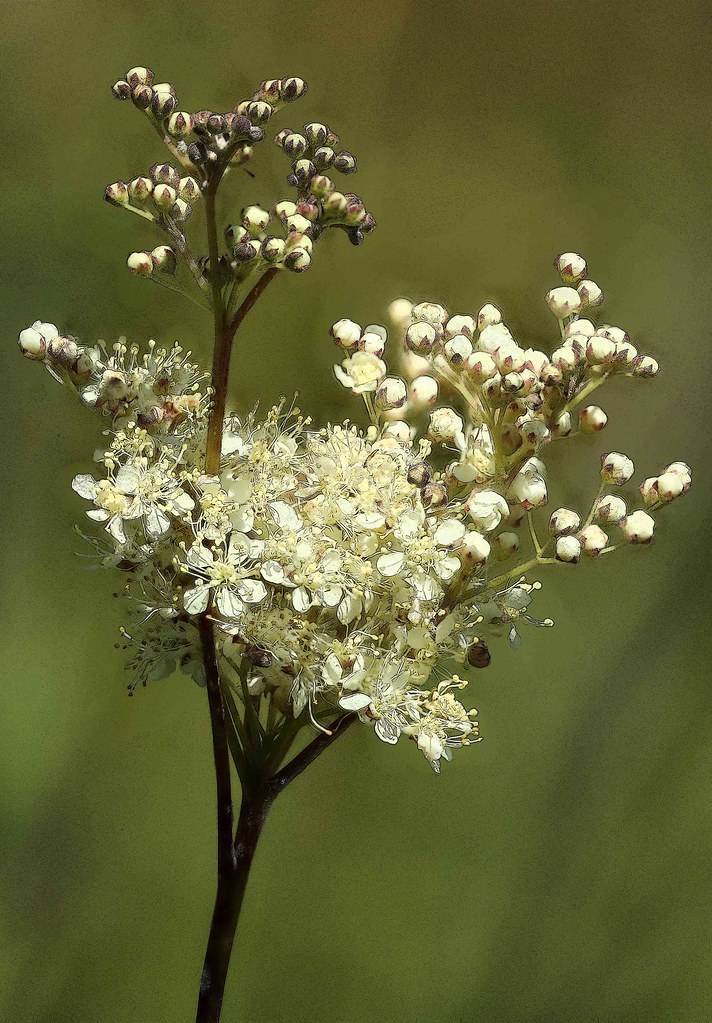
{"points": [[391, 393], [424, 391], [273, 249], [649, 490], [579, 326], [164, 196], [373, 339], [616, 468], [562, 425], [139, 76], [509, 358], [571, 266], [638, 527], [399, 312], [487, 508], [492, 336], [297, 224], [180, 124], [140, 263], [481, 366], [140, 189], [611, 509], [600, 350], [431, 312], [420, 337], [188, 189], [346, 333], [564, 521], [298, 260], [460, 325], [563, 302], [645, 366], [285, 208], [592, 419], [400, 431], [33, 341], [683, 470], [568, 549], [445, 426], [529, 490], [590, 294], [488, 316], [593, 540], [254, 219], [63, 350], [564, 358], [457, 349], [670, 485], [533, 431], [474, 548], [506, 544], [181, 210], [164, 259]]}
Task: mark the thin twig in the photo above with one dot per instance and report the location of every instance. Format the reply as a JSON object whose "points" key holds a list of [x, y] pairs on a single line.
{"points": [[221, 749], [317, 746]]}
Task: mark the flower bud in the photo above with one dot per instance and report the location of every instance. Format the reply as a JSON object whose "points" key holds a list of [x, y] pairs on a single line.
{"points": [[302, 173], [235, 234], [445, 425], [140, 263], [345, 162], [457, 349], [592, 419], [684, 471], [164, 174], [399, 430], [346, 333], [562, 425], [474, 547], [600, 350], [616, 468], [140, 189], [669, 486], [424, 391], [528, 489], [590, 294], [420, 337], [571, 266], [486, 508], [434, 495], [33, 341], [258, 111], [162, 104], [649, 490], [63, 350], [298, 224], [335, 204], [478, 655], [321, 186], [323, 157], [121, 89], [593, 540], [430, 312], [372, 341], [247, 250], [180, 124], [390, 394], [563, 522], [481, 366], [297, 260], [117, 193], [568, 549], [488, 316], [141, 96], [255, 219], [638, 527], [611, 509], [291, 89], [139, 76], [460, 325], [507, 544], [564, 358], [399, 312], [645, 366], [273, 250], [294, 145], [316, 134], [164, 259], [181, 210], [563, 302], [197, 153], [164, 196], [188, 189], [419, 473]]}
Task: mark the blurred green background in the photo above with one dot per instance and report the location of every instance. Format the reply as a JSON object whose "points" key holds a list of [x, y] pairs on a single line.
{"points": [[559, 872]]}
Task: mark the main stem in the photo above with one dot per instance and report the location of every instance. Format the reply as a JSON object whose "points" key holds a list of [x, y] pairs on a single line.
{"points": [[228, 902]]}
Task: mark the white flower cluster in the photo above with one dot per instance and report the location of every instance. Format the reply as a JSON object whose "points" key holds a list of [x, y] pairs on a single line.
{"points": [[347, 567]]}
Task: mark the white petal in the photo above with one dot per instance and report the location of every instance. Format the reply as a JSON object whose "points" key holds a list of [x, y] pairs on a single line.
{"points": [[331, 596], [229, 604], [331, 670], [386, 732], [301, 599], [238, 548], [116, 528], [355, 701], [98, 514], [199, 556], [285, 516], [449, 533], [252, 591], [273, 572], [447, 567], [157, 522], [349, 609], [391, 564], [183, 502], [86, 486], [196, 599], [127, 480]]}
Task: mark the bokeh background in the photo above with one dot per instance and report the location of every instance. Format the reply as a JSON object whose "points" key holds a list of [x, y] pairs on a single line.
{"points": [[559, 872]]}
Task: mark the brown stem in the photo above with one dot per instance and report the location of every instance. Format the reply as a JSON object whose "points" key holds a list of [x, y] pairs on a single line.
{"points": [[228, 903], [317, 746], [221, 750]]}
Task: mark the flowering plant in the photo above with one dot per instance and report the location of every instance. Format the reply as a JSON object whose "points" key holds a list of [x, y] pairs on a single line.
{"points": [[313, 576]]}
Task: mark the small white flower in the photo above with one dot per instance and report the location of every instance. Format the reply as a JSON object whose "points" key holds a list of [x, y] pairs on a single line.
{"points": [[487, 508], [593, 540], [228, 572], [563, 302], [638, 527], [362, 372], [616, 468]]}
